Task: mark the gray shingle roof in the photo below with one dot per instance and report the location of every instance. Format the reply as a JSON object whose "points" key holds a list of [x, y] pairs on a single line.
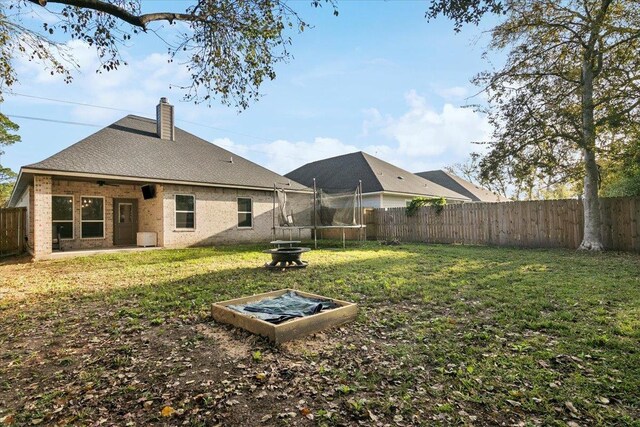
{"points": [[344, 171], [130, 147], [459, 185]]}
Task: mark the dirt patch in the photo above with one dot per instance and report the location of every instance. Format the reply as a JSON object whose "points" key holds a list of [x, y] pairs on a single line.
{"points": [[230, 346], [310, 345]]}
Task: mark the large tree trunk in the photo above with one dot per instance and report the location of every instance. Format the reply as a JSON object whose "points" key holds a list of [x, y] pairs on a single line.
{"points": [[592, 239]]}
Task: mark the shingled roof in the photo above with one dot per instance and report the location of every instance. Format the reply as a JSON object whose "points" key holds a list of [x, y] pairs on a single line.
{"points": [[464, 187], [345, 171], [131, 148]]}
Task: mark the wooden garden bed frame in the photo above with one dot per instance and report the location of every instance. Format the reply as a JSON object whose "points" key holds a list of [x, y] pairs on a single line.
{"points": [[291, 329]]}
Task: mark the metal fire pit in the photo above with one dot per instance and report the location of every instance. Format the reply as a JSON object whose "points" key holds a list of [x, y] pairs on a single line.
{"points": [[286, 257]]}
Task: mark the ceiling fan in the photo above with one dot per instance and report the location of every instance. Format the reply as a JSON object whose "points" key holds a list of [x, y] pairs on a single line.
{"points": [[103, 183]]}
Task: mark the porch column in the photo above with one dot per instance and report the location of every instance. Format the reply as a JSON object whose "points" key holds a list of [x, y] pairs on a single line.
{"points": [[42, 238]]}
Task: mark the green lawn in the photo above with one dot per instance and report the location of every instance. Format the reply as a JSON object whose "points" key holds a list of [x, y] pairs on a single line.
{"points": [[445, 335]]}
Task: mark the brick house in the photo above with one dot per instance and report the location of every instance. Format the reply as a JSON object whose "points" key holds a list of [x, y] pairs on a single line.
{"points": [[383, 185], [461, 186], [142, 175]]}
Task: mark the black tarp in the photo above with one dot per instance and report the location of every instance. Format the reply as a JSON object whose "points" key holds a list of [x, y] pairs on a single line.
{"points": [[284, 307]]}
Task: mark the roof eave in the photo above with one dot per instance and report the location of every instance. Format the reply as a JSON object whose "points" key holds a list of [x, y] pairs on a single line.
{"points": [[14, 191], [150, 180]]}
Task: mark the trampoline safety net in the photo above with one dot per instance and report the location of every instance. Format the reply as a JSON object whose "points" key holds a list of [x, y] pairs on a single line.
{"points": [[333, 208], [336, 208]]}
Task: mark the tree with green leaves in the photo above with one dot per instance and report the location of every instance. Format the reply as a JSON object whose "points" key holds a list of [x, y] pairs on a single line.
{"points": [[567, 94], [7, 127], [622, 170], [7, 181], [531, 186], [463, 12], [7, 176], [418, 202], [230, 47]]}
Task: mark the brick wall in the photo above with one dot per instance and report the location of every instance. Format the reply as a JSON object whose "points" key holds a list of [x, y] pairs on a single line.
{"points": [[216, 214], [216, 217], [149, 215], [26, 201], [41, 243]]}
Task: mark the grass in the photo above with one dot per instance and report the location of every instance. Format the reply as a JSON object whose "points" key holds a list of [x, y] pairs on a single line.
{"points": [[445, 335]]}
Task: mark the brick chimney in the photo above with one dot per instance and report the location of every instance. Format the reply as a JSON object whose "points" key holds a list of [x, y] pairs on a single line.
{"points": [[164, 120]]}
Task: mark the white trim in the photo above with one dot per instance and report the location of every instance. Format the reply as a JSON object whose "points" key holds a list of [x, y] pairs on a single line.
{"points": [[147, 180], [239, 212], [15, 187], [73, 214], [176, 211], [104, 218]]}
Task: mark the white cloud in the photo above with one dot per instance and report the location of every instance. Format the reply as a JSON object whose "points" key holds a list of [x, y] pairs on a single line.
{"points": [[427, 137], [422, 138], [228, 144], [283, 156], [373, 121], [135, 87], [452, 93]]}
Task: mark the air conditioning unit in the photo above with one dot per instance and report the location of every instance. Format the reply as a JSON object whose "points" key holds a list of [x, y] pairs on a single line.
{"points": [[146, 238]]}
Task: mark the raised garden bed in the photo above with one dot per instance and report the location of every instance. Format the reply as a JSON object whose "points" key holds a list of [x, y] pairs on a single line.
{"points": [[287, 330]]}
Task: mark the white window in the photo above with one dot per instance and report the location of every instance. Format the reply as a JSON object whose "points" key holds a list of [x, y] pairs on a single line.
{"points": [[92, 217], [62, 217], [185, 211], [245, 212]]}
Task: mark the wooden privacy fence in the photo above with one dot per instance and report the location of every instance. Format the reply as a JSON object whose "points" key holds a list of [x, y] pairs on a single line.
{"points": [[536, 224], [12, 231]]}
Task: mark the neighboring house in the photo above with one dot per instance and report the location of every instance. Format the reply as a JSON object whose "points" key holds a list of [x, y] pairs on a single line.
{"points": [[461, 186], [144, 175], [383, 184]]}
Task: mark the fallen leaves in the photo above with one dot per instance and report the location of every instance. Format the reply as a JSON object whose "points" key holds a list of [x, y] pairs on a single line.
{"points": [[306, 412], [513, 402], [572, 409], [287, 415], [389, 369], [167, 411], [266, 418], [7, 419]]}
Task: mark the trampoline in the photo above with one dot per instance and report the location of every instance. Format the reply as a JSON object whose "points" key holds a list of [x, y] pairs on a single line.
{"points": [[332, 209]]}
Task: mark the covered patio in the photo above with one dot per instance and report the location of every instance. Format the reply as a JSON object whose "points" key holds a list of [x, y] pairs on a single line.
{"points": [[73, 215]]}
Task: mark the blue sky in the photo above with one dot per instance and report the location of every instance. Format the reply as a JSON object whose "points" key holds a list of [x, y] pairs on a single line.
{"points": [[377, 78]]}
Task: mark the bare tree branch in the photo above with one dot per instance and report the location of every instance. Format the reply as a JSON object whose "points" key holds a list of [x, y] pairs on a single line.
{"points": [[123, 14]]}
